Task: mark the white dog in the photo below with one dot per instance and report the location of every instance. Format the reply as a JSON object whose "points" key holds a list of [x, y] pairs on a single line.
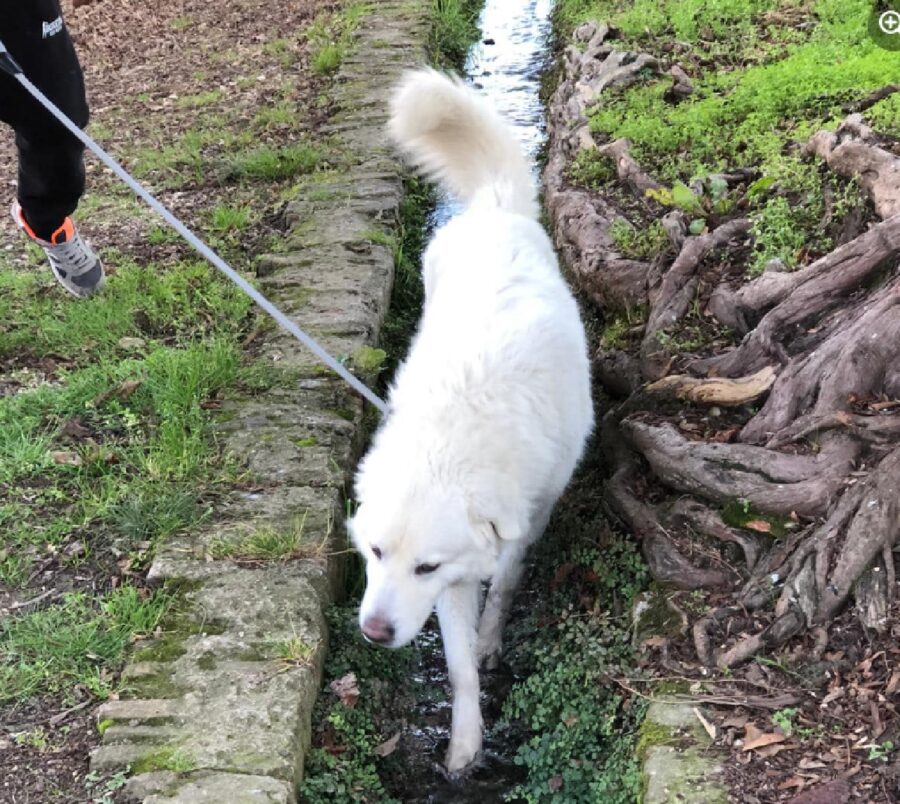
{"points": [[489, 414]]}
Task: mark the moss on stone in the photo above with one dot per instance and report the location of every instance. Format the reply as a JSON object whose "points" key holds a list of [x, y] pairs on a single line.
{"points": [[170, 758]]}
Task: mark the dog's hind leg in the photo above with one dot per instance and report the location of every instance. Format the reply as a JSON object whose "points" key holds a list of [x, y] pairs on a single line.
{"points": [[504, 583], [457, 610]]}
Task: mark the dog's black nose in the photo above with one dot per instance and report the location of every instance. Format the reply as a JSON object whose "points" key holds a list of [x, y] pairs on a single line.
{"points": [[379, 630]]}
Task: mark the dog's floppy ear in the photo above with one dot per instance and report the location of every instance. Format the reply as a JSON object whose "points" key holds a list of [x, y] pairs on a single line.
{"points": [[498, 522]]}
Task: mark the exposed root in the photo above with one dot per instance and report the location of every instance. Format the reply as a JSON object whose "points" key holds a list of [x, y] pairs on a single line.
{"points": [[708, 522], [801, 297], [679, 287], [773, 482], [628, 170], [715, 390], [850, 152], [667, 563], [852, 362], [821, 348]]}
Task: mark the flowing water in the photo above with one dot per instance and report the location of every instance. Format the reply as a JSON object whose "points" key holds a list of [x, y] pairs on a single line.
{"points": [[507, 66]]}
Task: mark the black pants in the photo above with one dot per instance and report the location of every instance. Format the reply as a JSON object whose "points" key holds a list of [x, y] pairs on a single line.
{"points": [[51, 165]]}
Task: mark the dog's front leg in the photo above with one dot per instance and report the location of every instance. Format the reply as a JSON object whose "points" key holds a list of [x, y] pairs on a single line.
{"points": [[457, 610]]}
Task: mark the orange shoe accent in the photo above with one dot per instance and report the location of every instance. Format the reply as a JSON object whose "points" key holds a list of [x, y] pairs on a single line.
{"points": [[64, 234]]}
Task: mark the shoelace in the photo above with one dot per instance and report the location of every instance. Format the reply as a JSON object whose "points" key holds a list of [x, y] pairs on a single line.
{"points": [[74, 254]]}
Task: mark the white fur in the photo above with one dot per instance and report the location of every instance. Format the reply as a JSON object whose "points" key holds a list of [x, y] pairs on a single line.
{"points": [[490, 411]]}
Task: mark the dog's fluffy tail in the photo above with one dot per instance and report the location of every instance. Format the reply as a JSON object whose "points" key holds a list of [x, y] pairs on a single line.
{"points": [[451, 133]]}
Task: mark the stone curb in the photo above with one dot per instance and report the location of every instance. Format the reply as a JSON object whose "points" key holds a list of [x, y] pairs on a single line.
{"points": [[210, 712], [678, 762]]}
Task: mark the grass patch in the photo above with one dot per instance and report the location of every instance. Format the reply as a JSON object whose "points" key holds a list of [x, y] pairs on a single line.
{"points": [[267, 544], [767, 89], [331, 35], [77, 642], [225, 218], [273, 164], [454, 28]]}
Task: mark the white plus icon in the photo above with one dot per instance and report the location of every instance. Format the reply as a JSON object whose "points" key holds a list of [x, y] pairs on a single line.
{"points": [[889, 22]]}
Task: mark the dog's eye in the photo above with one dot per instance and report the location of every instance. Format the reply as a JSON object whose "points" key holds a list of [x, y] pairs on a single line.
{"points": [[426, 569], [376, 551]]}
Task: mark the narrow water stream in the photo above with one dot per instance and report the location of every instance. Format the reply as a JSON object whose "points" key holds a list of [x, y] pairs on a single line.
{"points": [[507, 66]]}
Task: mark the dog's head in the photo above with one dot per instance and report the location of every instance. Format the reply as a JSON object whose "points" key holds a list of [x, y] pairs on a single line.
{"points": [[414, 549]]}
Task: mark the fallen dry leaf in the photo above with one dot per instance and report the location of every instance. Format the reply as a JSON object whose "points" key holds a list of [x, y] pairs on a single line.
{"points": [[769, 751], [735, 721], [346, 689], [388, 747], [759, 525], [834, 792], [793, 781], [123, 390], [63, 458], [754, 738], [710, 729]]}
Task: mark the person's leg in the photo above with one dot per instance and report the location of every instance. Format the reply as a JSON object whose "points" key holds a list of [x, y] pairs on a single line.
{"points": [[51, 167]]}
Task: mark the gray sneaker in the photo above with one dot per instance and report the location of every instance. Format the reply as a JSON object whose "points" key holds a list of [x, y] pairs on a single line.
{"points": [[74, 264]]}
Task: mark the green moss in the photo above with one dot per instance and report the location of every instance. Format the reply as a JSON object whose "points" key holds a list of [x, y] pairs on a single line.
{"points": [[310, 441], [739, 513], [346, 414], [663, 689], [151, 687], [103, 725], [367, 359], [165, 649], [652, 734], [207, 662], [169, 758]]}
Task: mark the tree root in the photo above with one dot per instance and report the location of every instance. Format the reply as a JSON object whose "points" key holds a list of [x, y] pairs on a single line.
{"points": [[667, 563], [800, 297], [679, 286], [715, 390], [628, 170], [773, 482], [850, 152], [852, 362]]}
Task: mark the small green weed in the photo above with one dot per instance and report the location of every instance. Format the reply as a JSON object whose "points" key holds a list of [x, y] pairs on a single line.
{"points": [[618, 328], [784, 720], [226, 218], [882, 752], [639, 244], [102, 788], [591, 169]]}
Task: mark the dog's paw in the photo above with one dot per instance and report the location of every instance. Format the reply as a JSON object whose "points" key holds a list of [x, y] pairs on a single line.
{"points": [[489, 651], [489, 660], [461, 754]]}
